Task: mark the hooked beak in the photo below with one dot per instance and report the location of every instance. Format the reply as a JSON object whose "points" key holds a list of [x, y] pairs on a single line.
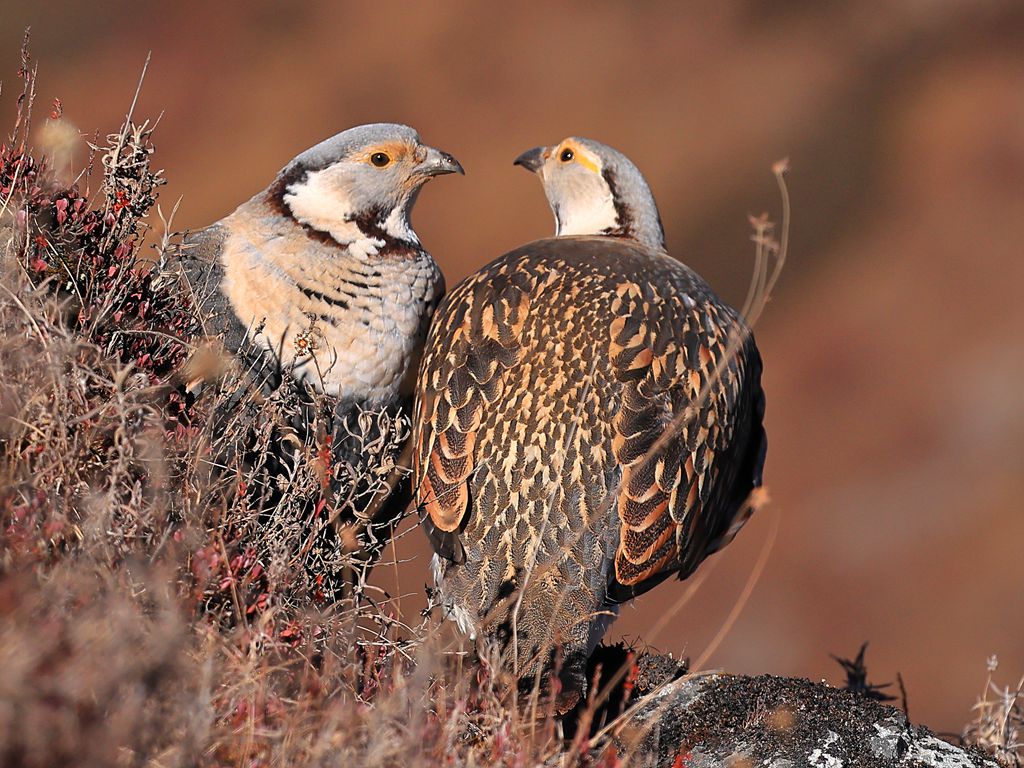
{"points": [[531, 159], [438, 163]]}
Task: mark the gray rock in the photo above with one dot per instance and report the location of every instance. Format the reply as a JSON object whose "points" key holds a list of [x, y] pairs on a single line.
{"points": [[723, 720]]}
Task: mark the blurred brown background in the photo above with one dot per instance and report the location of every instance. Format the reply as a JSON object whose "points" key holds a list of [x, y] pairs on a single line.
{"points": [[893, 349]]}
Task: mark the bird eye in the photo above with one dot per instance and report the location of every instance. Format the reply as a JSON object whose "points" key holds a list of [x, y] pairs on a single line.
{"points": [[380, 159], [566, 156]]}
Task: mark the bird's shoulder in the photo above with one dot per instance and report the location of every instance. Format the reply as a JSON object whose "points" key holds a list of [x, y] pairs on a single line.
{"points": [[198, 258], [580, 268]]}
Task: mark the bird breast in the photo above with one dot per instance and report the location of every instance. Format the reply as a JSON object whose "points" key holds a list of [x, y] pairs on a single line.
{"points": [[346, 324]]}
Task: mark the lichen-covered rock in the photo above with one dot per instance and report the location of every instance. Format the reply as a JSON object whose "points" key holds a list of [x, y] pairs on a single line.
{"points": [[727, 720]]}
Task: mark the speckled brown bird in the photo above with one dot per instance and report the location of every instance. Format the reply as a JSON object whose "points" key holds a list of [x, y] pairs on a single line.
{"points": [[588, 421]]}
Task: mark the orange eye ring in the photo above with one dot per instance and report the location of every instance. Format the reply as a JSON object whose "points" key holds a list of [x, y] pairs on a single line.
{"points": [[380, 159]]}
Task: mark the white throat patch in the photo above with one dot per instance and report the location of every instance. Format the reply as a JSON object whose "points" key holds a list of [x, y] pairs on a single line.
{"points": [[323, 204], [582, 204], [573, 218], [397, 225]]}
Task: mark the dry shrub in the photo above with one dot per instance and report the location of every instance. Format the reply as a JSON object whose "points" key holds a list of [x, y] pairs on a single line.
{"points": [[998, 725], [182, 571], [92, 673]]}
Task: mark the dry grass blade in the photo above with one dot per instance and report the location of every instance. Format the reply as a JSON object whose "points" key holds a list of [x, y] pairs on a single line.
{"points": [[998, 725]]}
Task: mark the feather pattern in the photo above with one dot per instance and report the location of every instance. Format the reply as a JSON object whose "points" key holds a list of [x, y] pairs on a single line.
{"points": [[548, 377]]}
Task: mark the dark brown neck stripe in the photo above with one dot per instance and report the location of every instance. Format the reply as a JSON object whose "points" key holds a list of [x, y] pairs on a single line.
{"points": [[370, 223]]}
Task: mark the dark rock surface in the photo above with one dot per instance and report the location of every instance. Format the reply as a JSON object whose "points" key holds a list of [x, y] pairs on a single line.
{"points": [[727, 720]]}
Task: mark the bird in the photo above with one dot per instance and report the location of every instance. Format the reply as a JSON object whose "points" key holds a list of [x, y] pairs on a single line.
{"points": [[320, 293], [588, 423], [322, 271]]}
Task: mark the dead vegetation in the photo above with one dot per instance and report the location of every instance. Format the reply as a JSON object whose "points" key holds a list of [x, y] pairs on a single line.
{"points": [[182, 570], [998, 724]]}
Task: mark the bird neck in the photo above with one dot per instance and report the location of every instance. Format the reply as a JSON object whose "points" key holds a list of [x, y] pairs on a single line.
{"points": [[610, 205], [328, 215], [597, 216], [636, 213]]}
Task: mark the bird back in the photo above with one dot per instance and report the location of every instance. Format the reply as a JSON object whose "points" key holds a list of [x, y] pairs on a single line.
{"points": [[548, 378]]}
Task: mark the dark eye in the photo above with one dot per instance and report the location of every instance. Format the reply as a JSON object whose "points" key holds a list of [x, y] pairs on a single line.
{"points": [[380, 159], [566, 156]]}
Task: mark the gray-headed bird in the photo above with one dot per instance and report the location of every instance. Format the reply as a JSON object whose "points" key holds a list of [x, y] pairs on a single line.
{"points": [[322, 270], [320, 281], [588, 421]]}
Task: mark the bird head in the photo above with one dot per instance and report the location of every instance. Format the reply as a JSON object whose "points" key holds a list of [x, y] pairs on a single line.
{"points": [[361, 183], [595, 190]]}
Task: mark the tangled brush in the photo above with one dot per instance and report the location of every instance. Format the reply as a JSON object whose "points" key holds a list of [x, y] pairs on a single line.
{"points": [[183, 570]]}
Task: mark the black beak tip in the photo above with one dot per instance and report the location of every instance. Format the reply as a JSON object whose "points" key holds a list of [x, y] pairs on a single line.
{"points": [[439, 163], [453, 164], [531, 159]]}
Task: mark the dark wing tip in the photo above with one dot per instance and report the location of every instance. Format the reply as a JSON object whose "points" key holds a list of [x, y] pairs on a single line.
{"points": [[445, 543], [758, 451]]}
